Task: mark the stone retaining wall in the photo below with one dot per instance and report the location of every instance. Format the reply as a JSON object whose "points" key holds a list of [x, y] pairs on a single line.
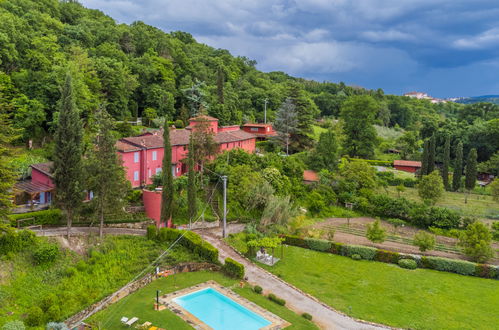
{"points": [[78, 318]]}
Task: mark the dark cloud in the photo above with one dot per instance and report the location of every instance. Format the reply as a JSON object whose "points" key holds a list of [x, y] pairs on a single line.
{"points": [[443, 47]]}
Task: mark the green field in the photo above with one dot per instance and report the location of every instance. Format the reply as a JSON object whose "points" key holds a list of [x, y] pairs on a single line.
{"points": [[388, 294], [140, 304], [482, 206]]}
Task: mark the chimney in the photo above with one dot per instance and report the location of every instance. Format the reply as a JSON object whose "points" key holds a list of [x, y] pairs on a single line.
{"points": [[143, 142]]}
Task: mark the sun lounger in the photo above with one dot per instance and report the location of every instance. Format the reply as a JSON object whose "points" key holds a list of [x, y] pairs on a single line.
{"points": [[132, 321], [124, 320]]}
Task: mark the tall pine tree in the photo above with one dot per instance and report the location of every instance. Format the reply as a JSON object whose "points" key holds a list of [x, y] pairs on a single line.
{"points": [[105, 172], [458, 167], [471, 170], [167, 180], [431, 155], [191, 183], [286, 123], [445, 166], [68, 155]]}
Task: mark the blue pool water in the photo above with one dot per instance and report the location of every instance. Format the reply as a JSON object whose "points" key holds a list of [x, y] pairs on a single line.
{"points": [[219, 311]]}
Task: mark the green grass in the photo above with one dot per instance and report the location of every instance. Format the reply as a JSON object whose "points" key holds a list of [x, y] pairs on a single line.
{"points": [[76, 281], [478, 205], [140, 303], [385, 293]]}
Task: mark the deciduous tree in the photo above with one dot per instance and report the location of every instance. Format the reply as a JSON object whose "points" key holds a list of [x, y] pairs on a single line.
{"points": [[476, 241], [431, 188], [424, 240], [325, 154], [375, 233]]}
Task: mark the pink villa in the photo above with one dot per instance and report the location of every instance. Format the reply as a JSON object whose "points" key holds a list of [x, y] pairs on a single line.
{"points": [[143, 155]]}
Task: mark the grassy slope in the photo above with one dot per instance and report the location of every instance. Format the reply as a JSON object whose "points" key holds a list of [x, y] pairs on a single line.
{"points": [[384, 293], [140, 304], [478, 205]]}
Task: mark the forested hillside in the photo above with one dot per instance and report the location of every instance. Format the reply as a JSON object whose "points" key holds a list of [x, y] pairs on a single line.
{"points": [[140, 71]]}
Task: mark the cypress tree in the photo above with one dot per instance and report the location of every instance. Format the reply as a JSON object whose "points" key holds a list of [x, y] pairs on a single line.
{"points": [[67, 167], [105, 172], [191, 184], [431, 155], [167, 179], [445, 166], [424, 159], [458, 167], [471, 170]]}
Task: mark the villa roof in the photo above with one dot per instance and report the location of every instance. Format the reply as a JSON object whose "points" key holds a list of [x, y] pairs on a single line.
{"points": [[203, 117], [233, 136], [256, 125], [408, 163], [32, 187], [45, 168], [311, 176]]}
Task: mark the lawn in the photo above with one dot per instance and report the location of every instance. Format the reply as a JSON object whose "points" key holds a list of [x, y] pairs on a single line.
{"points": [[478, 205], [140, 303], [385, 293]]}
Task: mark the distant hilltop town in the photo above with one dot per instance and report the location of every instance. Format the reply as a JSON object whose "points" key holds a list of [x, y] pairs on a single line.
{"points": [[424, 96]]}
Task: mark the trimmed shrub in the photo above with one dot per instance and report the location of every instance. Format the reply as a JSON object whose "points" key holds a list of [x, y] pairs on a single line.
{"points": [[35, 316], [295, 241], [307, 316], [14, 325], [233, 268], [45, 217], [367, 253], [152, 232], [356, 257], [318, 244], [258, 289], [408, 263], [45, 253], [277, 300], [486, 271], [449, 265], [387, 256], [196, 244], [168, 234]]}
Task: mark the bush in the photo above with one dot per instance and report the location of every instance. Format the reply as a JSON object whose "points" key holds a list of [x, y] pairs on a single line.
{"points": [[45, 217], [387, 256], [425, 241], [486, 271], [34, 317], [258, 289], [367, 253], [336, 248], [277, 300], [233, 268], [14, 325], [12, 240], [408, 263], [410, 183], [295, 241], [54, 313], [449, 265], [56, 326], [318, 244], [45, 253], [375, 233], [152, 232], [168, 234], [356, 257], [476, 241], [307, 316]]}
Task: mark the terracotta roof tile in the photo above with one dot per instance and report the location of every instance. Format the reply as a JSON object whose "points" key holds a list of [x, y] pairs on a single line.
{"points": [[233, 136], [203, 117], [309, 175], [410, 163]]}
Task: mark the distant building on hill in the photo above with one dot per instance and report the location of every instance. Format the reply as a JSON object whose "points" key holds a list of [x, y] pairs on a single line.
{"points": [[424, 96]]}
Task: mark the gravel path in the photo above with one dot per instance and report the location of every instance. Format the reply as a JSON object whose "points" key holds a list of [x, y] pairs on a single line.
{"points": [[61, 231], [323, 315]]}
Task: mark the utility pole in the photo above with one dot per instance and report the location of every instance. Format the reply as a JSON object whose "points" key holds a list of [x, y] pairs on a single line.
{"points": [[224, 232], [265, 110]]}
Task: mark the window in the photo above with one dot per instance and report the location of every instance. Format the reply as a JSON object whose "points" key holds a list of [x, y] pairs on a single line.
{"points": [[136, 157], [154, 155], [254, 129], [268, 129], [136, 176], [158, 170]]}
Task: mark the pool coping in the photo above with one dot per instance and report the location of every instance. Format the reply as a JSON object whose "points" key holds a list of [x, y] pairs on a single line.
{"points": [[167, 300]]}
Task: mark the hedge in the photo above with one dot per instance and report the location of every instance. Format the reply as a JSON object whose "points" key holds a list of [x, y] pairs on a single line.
{"points": [[368, 253], [152, 232], [448, 265], [277, 300], [191, 241], [318, 244], [258, 289], [45, 217], [233, 268]]}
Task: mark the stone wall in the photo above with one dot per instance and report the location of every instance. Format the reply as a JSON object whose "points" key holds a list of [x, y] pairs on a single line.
{"points": [[131, 287]]}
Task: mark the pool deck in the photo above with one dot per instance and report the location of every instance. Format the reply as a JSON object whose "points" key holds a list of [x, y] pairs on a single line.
{"points": [[167, 300]]}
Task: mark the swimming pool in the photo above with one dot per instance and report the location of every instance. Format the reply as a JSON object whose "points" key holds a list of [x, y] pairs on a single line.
{"points": [[219, 311]]}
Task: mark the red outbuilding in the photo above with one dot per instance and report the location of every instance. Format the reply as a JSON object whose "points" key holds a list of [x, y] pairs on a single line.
{"points": [[407, 165]]}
